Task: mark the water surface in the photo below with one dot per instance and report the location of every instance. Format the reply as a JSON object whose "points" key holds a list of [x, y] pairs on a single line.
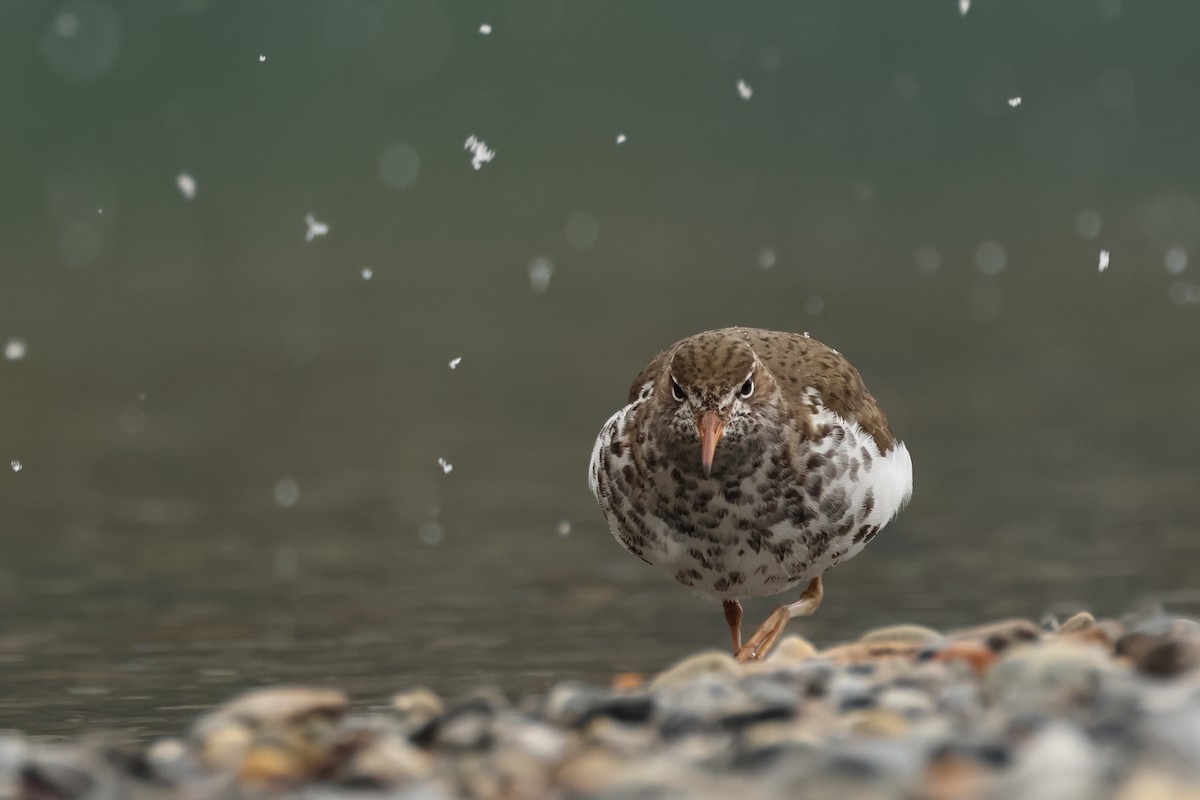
{"points": [[229, 439]]}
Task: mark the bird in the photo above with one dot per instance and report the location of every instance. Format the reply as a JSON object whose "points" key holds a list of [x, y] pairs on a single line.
{"points": [[746, 463]]}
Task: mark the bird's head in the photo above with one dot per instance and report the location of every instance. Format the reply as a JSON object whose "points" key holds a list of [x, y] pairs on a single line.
{"points": [[710, 390]]}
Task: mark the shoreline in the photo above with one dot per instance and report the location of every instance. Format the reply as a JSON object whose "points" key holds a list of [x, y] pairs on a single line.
{"points": [[1062, 709]]}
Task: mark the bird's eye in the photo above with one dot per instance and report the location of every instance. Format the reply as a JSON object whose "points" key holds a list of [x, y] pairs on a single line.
{"points": [[677, 391], [748, 387]]}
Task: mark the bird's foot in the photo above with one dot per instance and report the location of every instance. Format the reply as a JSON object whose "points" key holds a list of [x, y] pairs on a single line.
{"points": [[765, 637], [758, 645]]}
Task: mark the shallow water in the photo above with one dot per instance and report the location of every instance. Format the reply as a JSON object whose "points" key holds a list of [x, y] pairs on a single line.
{"points": [[186, 360]]}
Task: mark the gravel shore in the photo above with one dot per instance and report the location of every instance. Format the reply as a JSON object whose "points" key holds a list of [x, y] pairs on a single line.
{"points": [[1056, 710]]}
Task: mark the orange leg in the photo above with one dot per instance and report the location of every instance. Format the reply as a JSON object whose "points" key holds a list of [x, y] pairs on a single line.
{"points": [[769, 632], [733, 618]]}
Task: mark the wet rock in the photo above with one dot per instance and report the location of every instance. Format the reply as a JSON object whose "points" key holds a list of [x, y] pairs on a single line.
{"points": [[1149, 783], [269, 738], [1000, 636], [172, 761], [618, 737], [699, 704], [909, 635], [569, 703], [864, 653], [576, 705], [1169, 657], [848, 692], [628, 681], [416, 708], [1079, 623], [908, 702], [811, 678], [1058, 763], [466, 726], [710, 664], [993, 712], [973, 655], [1053, 676], [66, 772], [1170, 652], [790, 650], [376, 753]]}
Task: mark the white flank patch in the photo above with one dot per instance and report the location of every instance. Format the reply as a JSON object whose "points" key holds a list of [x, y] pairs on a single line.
{"points": [[446, 466], [454, 362], [186, 184], [480, 152], [1013, 102], [891, 474], [315, 227], [744, 90], [1103, 260]]}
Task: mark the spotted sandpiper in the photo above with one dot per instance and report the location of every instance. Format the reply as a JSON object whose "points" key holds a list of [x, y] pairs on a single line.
{"points": [[748, 462]]}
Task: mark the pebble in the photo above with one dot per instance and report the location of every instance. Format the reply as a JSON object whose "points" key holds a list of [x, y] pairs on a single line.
{"points": [[707, 664], [790, 650], [1054, 676], [913, 635], [1065, 711], [415, 708]]}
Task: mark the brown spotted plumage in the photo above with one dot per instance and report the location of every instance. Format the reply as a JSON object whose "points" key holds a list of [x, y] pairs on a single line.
{"points": [[745, 463]]}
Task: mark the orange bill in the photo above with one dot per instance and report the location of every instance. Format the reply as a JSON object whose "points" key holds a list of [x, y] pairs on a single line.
{"points": [[711, 427]]}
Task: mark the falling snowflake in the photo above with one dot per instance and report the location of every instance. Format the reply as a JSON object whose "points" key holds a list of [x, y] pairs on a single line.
{"points": [[446, 466], [186, 184], [744, 90], [1103, 260], [285, 493], [540, 270], [766, 258], [17, 466], [480, 152], [1176, 260], [620, 138], [367, 273], [564, 528], [454, 362], [14, 349], [261, 58], [1013, 102], [485, 29], [430, 532], [315, 227], [964, 6]]}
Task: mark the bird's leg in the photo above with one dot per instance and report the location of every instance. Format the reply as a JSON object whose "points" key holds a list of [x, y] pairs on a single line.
{"points": [[733, 618], [769, 632]]}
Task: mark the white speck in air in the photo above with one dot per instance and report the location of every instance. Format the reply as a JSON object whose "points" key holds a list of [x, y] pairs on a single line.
{"points": [[315, 227]]}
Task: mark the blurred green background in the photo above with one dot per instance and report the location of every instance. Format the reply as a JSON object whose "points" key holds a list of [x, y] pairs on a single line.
{"points": [[228, 436]]}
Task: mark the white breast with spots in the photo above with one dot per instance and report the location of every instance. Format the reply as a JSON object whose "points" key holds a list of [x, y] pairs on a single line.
{"points": [[745, 536]]}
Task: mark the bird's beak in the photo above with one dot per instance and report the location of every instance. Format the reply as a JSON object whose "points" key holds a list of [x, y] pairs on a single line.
{"points": [[711, 427]]}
